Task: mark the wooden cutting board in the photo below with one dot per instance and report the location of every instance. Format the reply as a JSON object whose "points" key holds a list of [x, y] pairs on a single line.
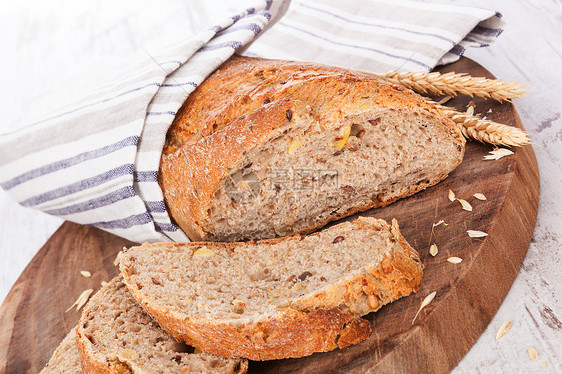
{"points": [[33, 319]]}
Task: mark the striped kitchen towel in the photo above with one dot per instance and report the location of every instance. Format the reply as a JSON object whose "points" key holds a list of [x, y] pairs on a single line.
{"points": [[96, 163]]}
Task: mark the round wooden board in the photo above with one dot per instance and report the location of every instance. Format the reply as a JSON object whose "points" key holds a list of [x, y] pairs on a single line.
{"points": [[33, 319]]}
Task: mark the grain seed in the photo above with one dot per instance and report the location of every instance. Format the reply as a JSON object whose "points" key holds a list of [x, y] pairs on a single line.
{"points": [[479, 196], [428, 299], [118, 258], [441, 222], [504, 328], [476, 233], [85, 273], [433, 250], [203, 252], [454, 260], [82, 299], [465, 205], [532, 352], [451, 196], [498, 153]]}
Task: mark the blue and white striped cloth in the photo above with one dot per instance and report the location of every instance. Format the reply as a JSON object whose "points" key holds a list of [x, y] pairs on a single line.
{"points": [[96, 163]]}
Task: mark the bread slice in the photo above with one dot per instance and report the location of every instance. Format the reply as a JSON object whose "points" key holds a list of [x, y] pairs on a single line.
{"points": [[267, 148], [66, 358], [115, 335], [277, 298]]}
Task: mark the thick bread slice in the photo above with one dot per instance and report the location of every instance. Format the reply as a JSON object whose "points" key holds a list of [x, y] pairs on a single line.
{"points": [[267, 148], [277, 298], [115, 335], [66, 358]]}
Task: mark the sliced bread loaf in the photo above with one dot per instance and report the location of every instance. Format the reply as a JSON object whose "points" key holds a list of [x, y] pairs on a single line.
{"points": [[65, 359], [267, 148], [277, 298], [115, 335]]}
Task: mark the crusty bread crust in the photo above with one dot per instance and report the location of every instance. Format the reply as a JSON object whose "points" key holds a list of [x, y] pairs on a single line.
{"points": [[244, 103], [191, 175], [322, 322], [89, 358]]}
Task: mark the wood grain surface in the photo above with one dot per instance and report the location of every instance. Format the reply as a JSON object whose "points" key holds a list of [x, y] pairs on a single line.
{"points": [[34, 320]]}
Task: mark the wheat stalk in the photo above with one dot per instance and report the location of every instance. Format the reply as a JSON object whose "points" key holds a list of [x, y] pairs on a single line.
{"points": [[484, 130], [453, 84]]}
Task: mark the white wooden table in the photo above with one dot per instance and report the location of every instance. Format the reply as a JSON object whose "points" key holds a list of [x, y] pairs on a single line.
{"points": [[47, 47]]}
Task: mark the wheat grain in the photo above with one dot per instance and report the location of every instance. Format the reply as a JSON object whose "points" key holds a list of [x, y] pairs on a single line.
{"points": [[504, 328], [476, 233], [532, 352], [82, 299], [433, 250], [454, 260], [452, 84], [465, 205], [485, 131], [451, 196], [118, 258], [429, 298], [498, 153]]}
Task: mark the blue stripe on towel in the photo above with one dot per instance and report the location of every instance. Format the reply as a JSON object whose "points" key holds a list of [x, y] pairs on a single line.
{"points": [[71, 161], [126, 169]]}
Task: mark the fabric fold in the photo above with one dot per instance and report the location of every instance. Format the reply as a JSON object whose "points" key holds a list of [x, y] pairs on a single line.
{"points": [[97, 162]]}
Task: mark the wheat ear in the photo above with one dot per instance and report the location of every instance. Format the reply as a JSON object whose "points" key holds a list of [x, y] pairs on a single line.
{"points": [[483, 130], [453, 84]]}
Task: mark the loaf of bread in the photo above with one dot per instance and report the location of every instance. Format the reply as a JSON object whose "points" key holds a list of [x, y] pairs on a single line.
{"points": [[267, 148], [115, 335], [66, 358], [277, 298]]}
